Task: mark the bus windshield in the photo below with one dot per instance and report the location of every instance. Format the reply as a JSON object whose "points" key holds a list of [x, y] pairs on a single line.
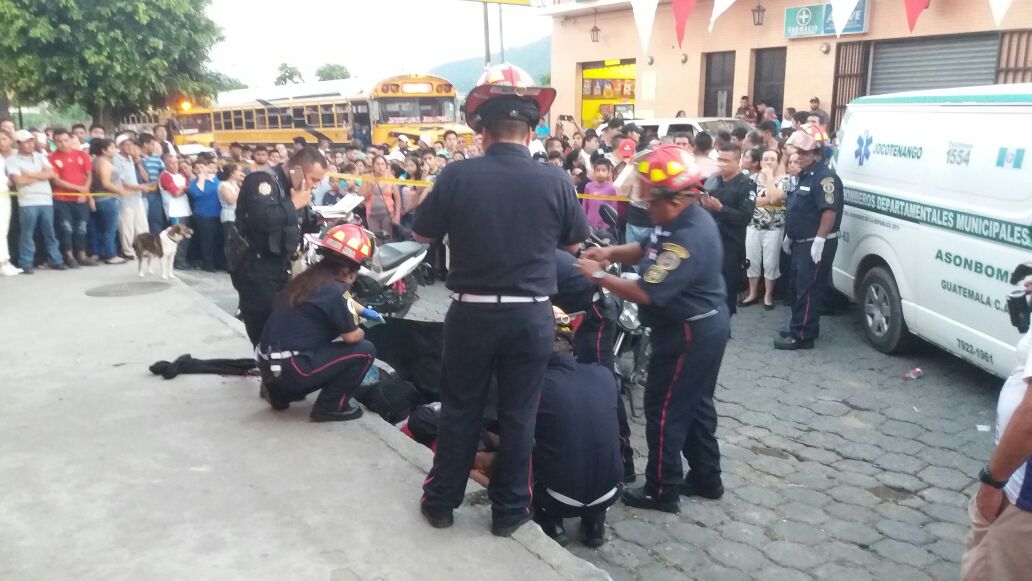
{"points": [[194, 124], [415, 110]]}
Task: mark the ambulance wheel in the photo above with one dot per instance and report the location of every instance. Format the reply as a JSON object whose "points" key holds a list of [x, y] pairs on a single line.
{"points": [[882, 312]]}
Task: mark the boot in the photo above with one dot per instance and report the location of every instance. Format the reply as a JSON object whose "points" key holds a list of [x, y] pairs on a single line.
{"points": [[593, 533], [553, 527], [350, 412], [639, 498]]}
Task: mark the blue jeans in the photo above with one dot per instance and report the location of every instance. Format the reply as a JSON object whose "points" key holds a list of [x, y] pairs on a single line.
{"points": [[155, 212], [107, 226], [29, 219], [637, 234], [72, 219]]}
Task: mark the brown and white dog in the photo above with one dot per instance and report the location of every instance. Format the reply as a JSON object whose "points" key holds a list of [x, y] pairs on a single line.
{"points": [[163, 247]]}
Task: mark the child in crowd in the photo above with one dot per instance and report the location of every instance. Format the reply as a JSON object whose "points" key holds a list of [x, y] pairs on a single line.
{"points": [[601, 185]]}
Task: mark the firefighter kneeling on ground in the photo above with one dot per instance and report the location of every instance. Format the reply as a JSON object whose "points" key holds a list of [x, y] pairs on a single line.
{"points": [[299, 352]]}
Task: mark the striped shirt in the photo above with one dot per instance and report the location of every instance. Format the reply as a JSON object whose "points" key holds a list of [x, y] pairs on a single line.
{"points": [[154, 167]]}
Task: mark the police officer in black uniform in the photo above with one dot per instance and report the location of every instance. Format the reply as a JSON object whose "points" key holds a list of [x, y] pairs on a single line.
{"points": [[312, 340], [594, 338], [731, 200], [682, 298], [504, 215], [577, 464], [811, 237], [271, 212]]}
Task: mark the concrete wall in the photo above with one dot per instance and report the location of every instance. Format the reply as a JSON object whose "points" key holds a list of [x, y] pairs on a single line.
{"points": [[809, 72]]}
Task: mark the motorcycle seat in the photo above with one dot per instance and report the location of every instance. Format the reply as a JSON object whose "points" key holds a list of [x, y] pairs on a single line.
{"points": [[392, 254]]}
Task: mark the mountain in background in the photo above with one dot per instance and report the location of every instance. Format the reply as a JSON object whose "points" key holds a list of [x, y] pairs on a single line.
{"points": [[535, 58]]}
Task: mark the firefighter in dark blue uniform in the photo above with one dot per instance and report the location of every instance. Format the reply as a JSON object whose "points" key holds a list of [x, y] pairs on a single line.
{"points": [[594, 338], [272, 210], [683, 299], [811, 237], [577, 464], [311, 340], [504, 215]]}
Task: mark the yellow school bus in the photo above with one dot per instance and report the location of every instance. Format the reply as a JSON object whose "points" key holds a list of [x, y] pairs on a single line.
{"points": [[411, 105], [414, 105]]}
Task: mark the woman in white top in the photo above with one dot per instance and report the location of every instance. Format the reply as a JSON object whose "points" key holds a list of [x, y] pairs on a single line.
{"points": [[1001, 510], [230, 179], [6, 268]]}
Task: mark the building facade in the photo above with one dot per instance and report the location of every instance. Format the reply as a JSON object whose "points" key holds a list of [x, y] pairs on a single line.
{"points": [[599, 69]]}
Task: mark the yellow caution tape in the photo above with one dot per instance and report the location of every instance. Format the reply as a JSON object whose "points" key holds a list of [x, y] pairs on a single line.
{"points": [[369, 178], [76, 194], [604, 198]]}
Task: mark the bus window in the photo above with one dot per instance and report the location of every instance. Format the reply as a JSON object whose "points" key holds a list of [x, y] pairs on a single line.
{"points": [[415, 110], [274, 118], [342, 114], [194, 124], [238, 119], [259, 119], [327, 115], [227, 119], [248, 119], [298, 114], [312, 115], [218, 121], [286, 119]]}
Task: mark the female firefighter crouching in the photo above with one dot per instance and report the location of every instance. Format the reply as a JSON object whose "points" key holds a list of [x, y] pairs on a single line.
{"points": [[298, 352]]}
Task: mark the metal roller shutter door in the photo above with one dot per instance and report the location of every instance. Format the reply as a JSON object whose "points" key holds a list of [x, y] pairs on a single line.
{"points": [[936, 63]]}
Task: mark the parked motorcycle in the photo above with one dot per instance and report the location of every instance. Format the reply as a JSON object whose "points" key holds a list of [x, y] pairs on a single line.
{"points": [[388, 283], [632, 346]]}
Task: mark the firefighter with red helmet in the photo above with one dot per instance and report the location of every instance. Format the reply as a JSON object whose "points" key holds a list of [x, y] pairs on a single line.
{"points": [[682, 298], [504, 215], [298, 352]]}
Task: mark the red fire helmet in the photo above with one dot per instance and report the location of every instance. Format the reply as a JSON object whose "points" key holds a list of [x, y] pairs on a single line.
{"points": [[348, 241], [506, 80]]}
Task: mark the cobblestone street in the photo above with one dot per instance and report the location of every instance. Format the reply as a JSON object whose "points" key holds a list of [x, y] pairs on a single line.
{"points": [[834, 467]]}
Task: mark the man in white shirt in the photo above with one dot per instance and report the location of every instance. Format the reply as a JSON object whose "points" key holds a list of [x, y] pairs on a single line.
{"points": [[132, 216], [1001, 511], [31, 173]]}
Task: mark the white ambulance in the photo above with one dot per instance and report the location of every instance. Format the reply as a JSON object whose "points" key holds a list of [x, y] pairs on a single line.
{"points": [[938, 212]]}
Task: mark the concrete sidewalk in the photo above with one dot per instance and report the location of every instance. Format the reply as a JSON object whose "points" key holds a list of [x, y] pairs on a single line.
{"points": [[109, 472]]}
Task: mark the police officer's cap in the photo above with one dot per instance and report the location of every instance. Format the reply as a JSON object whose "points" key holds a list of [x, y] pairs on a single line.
{"points": [[510, 108]]}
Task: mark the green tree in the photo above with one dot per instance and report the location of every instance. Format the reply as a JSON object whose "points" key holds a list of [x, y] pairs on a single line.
{"points": [[111, 57], [546, 80], [228, 83], [330, 72], [288, 74]]}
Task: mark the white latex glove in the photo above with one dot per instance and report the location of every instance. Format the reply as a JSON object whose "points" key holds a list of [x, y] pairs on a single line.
{"points": [[786, 245], [817, 250]]}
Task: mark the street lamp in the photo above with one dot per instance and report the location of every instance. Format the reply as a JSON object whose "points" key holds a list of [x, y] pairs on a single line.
{"points": [[758, 13], [595, 30]]}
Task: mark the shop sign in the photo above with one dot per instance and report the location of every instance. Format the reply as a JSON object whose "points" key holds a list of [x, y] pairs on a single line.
{"points": [[815, 20]]}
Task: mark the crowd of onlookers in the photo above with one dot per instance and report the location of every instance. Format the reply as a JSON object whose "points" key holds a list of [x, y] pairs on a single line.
{"points": [[80, 198], [72, 198]]}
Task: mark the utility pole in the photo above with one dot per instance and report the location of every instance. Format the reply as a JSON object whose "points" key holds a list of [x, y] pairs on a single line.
{"points": [[501, 38], [487, 38]]}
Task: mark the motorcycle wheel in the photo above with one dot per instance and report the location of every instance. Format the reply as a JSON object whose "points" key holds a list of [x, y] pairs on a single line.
{"points": [[408, 299]]}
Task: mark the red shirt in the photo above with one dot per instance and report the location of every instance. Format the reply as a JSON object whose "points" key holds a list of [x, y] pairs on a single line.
{"points": [[73, 167]]}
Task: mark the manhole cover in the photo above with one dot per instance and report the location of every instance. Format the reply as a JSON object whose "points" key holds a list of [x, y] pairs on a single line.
{"points": [[127, 289]]}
